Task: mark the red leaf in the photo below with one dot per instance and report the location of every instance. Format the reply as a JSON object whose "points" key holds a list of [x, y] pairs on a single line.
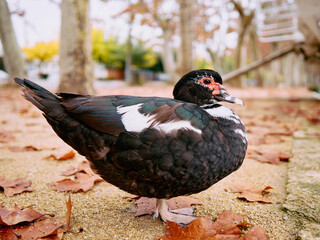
{"points": [[6, 233], [201, 228], [225, 227]]}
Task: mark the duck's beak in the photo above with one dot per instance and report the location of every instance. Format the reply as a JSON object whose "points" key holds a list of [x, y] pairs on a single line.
{"points": [[221, 94]]}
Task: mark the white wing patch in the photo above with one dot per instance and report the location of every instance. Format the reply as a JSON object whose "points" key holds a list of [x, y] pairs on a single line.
{"points": [[134, 121], [243, 134], [224, 112]]}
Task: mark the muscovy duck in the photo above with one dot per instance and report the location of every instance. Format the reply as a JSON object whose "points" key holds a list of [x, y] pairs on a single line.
{"points": [[152, 146]]}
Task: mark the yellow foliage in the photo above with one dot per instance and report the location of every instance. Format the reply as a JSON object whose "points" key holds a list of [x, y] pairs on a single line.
{"points": [[43, 51]]}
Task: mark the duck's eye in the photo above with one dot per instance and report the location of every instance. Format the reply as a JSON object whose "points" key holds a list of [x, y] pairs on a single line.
{"points": [[206, 81]]}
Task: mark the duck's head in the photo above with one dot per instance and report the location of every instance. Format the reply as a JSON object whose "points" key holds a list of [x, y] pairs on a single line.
{"points": [[202, 87]]}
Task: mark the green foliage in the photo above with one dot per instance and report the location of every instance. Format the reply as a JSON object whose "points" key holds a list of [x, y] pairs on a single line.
{"points": [[158, 67], [109, 52], [143, 58], [113, 54]]}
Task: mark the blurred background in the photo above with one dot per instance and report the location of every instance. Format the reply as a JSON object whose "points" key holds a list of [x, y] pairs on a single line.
{"points": [[79, 46]]}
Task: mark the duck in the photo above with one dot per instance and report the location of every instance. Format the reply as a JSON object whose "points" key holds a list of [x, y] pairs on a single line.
{"points": [[154, 147]]}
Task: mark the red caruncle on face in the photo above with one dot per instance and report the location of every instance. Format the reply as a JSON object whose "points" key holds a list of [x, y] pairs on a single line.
{"points": [[211, 84]]}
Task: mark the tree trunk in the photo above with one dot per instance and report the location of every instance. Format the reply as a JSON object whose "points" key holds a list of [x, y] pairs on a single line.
{"points": [[253, 41], [245, 21], [217, 61], [128, 63], [167, 56], [13, 60], [76, 68], [185, 59]]}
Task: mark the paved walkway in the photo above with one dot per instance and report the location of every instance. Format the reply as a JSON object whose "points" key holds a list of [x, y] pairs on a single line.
{"points": [[303, 186]]}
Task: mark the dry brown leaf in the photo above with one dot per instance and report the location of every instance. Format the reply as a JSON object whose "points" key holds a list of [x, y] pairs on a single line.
{"points": [[313, 119], [250, 193], [40, 229], [268, 155], [225, 227], [66, 156], [201, 228], [83, 166], [227, 224], [14, 186], [39, 226], [15, 215], [21, 149], [29, 148], [182, 202], [145, 206], [148, 205], [6, 233], [255, 233], [6, 136], [68, 214], [82, 182]]}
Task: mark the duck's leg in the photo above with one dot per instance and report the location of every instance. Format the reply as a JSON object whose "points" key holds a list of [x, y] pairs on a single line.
{"points": [[180, 216]]}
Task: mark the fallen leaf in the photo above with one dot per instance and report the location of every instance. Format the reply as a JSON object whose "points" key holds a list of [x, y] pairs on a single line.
{"points": [[313, 119], [226, 224], [40, 229], [6, 136], [255, 233], [35, 225], [68, 155], [68, 214], [282, 133], [250, 193], [24, 110], [83, 166], [6, 233], [268, 155], [182, 202], [225, 227], [14, 186], [145, 206], [15, 215], [148, 205], [201, 228], [21, 149], [82, 182], [316, 135]]}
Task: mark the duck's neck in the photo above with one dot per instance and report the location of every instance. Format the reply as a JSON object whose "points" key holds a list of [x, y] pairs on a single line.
{"points": [[226, 115], [220, 111]]}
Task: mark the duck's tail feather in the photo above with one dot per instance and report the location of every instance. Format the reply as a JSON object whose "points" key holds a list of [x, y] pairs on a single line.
{"points": [[46, 101]]}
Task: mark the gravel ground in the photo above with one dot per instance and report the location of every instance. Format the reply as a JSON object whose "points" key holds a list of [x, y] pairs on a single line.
{"points": [[104, 212]]}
